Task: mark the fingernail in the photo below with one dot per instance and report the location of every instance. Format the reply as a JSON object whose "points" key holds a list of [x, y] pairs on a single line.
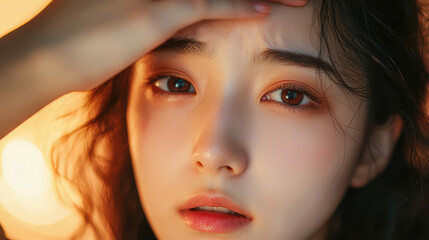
{"points": [[262, 7]]}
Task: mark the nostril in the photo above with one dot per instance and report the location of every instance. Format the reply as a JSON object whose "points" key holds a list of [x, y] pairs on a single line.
{"points": [[199, 164], [229, 168]]}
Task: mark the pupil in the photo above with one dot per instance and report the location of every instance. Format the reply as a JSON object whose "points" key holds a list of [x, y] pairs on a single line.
{"points": [[178, 85], [292, 97]]}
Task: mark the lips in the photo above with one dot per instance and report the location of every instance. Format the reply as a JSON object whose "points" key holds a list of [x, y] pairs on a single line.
{"points": [[214, 213]]}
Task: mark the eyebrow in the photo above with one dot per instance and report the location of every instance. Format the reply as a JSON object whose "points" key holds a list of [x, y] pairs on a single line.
{"points": [[186, 45], [294, 58], [182, 46]]}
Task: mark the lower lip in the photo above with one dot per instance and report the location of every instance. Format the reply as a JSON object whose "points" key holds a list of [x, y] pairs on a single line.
{"points": [[213, 222]]}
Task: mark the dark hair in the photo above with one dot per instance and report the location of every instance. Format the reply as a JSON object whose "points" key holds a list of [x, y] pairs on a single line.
{"points": [[385, 39]]}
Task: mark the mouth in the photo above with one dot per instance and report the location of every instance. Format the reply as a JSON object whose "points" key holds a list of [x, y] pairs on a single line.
{"points": [[214, 213], [217, 210]]}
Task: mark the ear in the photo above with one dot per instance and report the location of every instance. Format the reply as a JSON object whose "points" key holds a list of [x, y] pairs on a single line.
{"points": [[377, 151]]}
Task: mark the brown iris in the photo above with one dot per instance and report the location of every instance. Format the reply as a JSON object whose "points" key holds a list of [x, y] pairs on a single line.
{"points": [[291, 97], [176, 84]]}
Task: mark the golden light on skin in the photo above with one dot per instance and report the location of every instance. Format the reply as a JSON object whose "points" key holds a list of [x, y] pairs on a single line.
{"points": [[14, 13]]}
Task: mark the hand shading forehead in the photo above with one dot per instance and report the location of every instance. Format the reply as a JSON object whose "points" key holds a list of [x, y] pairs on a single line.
{"points": [[286, 28]]}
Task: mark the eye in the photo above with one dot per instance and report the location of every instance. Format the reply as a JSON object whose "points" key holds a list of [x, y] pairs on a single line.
{"points": [[287, 96], [173, 84]]}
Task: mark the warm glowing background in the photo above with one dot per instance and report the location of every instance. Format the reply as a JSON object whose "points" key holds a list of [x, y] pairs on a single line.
{"points": [[14, 13], [29, 207]]}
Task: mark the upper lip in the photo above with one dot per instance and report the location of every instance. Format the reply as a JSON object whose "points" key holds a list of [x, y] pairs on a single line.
{"points": [[213, 200]]}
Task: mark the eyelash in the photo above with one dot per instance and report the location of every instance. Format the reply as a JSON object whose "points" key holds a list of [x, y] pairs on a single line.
{"points": [[314, 101]]}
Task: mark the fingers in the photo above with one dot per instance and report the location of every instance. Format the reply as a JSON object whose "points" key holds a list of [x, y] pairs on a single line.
{"points": [[168, 16], [194, 10], [213, 9], [158, 20], [295, 3]]}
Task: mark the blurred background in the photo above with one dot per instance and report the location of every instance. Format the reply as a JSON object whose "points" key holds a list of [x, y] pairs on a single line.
{"points": [[29, 206]]}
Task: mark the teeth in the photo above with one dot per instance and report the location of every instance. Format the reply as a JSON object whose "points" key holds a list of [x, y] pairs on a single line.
{"points": [[215, 209]]}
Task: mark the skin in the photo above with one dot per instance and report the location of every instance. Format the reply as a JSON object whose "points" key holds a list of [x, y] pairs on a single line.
{"points": [[289, 167]]}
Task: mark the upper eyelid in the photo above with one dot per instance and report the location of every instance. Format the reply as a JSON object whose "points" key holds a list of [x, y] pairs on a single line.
{"points": [[156, 77], [152, 78], [310, 92], [309, 95]]}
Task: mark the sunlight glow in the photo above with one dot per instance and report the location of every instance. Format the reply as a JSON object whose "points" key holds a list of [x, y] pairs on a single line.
{"points": [[14, 13], [24, 168], [26, 188]]}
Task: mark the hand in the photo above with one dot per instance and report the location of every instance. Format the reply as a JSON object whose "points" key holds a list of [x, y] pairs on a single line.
{"points": [[79, 44], [85, 42]]}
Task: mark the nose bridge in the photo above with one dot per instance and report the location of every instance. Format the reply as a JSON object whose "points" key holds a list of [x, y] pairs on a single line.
{"points": [[219, 145], [219, 125]]}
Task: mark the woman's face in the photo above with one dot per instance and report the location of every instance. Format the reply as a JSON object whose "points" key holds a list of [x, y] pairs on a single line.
{"points": [[235, 111]]}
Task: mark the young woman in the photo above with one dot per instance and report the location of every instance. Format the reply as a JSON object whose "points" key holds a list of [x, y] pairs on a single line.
{"points": [[309, 123]]}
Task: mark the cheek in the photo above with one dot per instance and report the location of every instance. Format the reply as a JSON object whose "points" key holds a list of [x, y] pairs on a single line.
{"points": [[159, 141], [290, 144], [156, 134], [301, 163]]}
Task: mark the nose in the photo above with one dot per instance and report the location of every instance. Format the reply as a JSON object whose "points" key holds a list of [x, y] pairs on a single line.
{"points": [[220, 145], [215, 159]]}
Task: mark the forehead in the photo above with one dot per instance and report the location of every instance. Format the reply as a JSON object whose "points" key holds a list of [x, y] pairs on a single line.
{"points": [[286, 28]]}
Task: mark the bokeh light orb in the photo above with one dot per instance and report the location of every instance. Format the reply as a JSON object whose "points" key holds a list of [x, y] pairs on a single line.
{"points": [[26, 185], [24, 168]]}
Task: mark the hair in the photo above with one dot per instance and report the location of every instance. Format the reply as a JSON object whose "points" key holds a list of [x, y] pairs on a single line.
{"points": [[384, 39]]}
